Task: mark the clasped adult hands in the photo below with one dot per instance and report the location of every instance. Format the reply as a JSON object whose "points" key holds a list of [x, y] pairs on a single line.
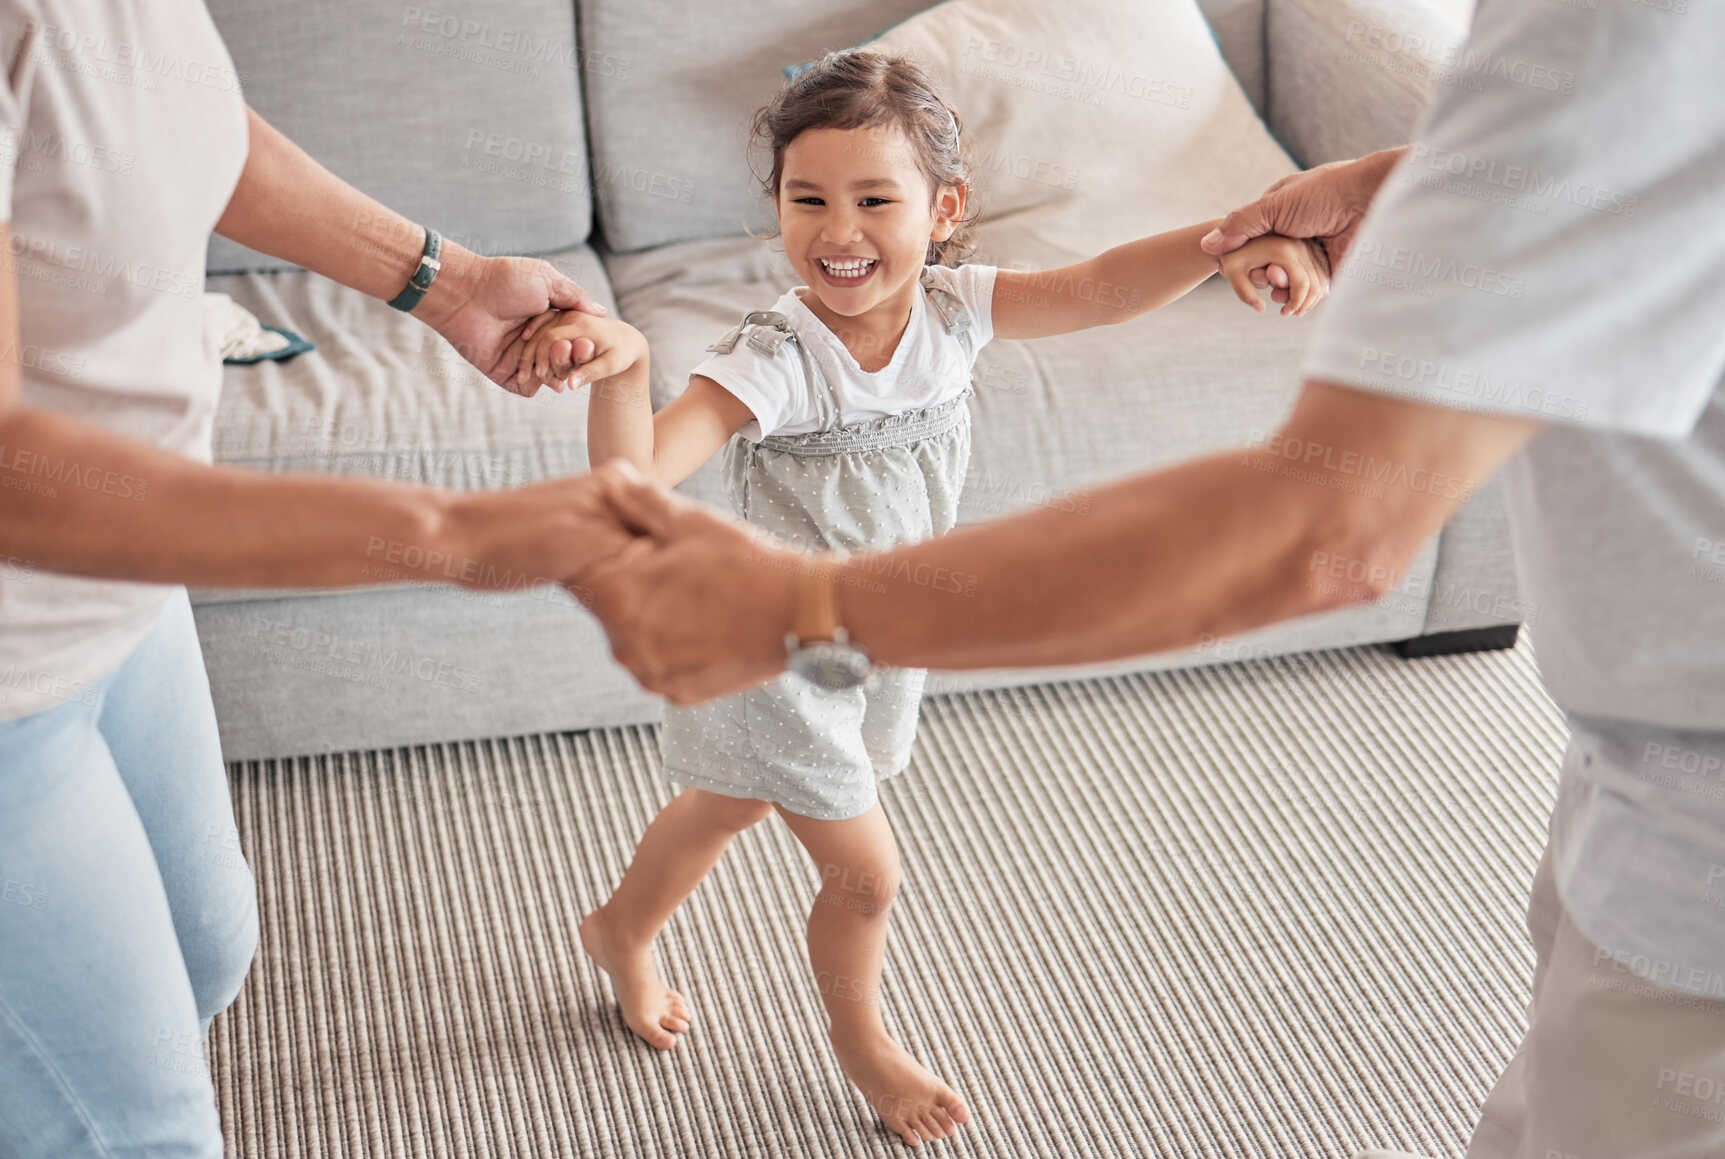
{"points": [[697, 605]]}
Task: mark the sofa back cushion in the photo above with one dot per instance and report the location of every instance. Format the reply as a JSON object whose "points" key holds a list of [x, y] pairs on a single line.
{"points": [[669, 118], [1347, 77], [1091, 122], [1240, 32], [462, 114]]}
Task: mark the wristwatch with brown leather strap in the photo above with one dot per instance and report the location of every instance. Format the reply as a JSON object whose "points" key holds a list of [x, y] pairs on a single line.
{"points": [[818, 648]]}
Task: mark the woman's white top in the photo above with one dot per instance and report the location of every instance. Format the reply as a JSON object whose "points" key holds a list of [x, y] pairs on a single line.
{"points": [[122, 136]]}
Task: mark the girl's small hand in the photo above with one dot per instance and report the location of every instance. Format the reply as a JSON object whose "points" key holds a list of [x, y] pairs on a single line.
{"points": [[559, 342], [552, 345], [539, 350], [1299, 266], [1273, 277], [533, 363]]}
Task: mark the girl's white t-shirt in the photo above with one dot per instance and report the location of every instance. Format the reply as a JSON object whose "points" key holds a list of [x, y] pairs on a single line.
{"points": [[929, 366]]}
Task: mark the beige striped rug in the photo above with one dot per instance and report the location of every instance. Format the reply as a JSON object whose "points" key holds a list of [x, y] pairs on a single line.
{"points": [[1262, 909]]}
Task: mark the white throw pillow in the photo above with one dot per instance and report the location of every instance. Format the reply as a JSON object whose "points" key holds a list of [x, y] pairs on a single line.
{"points": [[1092, 122]]}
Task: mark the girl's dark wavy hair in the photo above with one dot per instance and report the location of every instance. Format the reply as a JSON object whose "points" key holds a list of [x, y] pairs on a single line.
{"points": [[858, 89]]}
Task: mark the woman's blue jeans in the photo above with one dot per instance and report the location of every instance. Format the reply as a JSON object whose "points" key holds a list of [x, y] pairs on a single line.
{"points": [[127, 914]]}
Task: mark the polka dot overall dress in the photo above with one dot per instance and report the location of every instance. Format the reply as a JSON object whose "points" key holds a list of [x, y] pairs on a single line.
{"points": [[853, 487]]}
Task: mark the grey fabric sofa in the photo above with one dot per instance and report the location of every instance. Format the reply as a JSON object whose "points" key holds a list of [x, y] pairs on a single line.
{"points": [[608, 137]]}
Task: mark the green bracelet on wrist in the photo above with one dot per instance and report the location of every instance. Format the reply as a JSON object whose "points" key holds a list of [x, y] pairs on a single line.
{"points": [[423, 276]]}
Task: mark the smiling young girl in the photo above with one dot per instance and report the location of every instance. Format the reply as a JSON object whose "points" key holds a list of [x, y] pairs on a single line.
{"points": [[843, 416]]}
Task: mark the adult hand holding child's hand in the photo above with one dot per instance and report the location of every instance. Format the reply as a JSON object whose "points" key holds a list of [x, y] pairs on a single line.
{"points": [[499, 299], [570, 348], [1327, 202]]}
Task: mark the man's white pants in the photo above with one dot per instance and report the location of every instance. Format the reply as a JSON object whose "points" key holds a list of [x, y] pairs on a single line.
{"points": [[1612, 1067]]}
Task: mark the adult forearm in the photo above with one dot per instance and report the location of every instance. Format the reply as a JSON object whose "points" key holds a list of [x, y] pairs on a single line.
{"points": [[76, 498], [1149, 564], [1360, 179], [1208, 548], [288, 205], [1374, 167]]}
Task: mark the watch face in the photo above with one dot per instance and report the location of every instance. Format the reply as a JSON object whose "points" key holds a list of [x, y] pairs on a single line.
{"points": [[829, 665]]}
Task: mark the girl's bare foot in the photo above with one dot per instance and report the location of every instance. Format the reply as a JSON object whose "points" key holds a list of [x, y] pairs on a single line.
{"points": [[911, 1102], [652, 1009]]}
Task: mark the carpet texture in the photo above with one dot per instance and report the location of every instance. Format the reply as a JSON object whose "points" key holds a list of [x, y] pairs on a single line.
{"points": [[1269, 909]]}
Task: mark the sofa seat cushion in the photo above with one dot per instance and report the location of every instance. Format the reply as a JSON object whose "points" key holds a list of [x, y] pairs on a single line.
{"points": [[383, 396]]}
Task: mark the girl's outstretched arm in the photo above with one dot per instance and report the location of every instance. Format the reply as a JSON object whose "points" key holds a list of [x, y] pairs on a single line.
{"points": [[619, 403], [1121, 283], [666, 447], [1113, 286], [692, 428]]}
